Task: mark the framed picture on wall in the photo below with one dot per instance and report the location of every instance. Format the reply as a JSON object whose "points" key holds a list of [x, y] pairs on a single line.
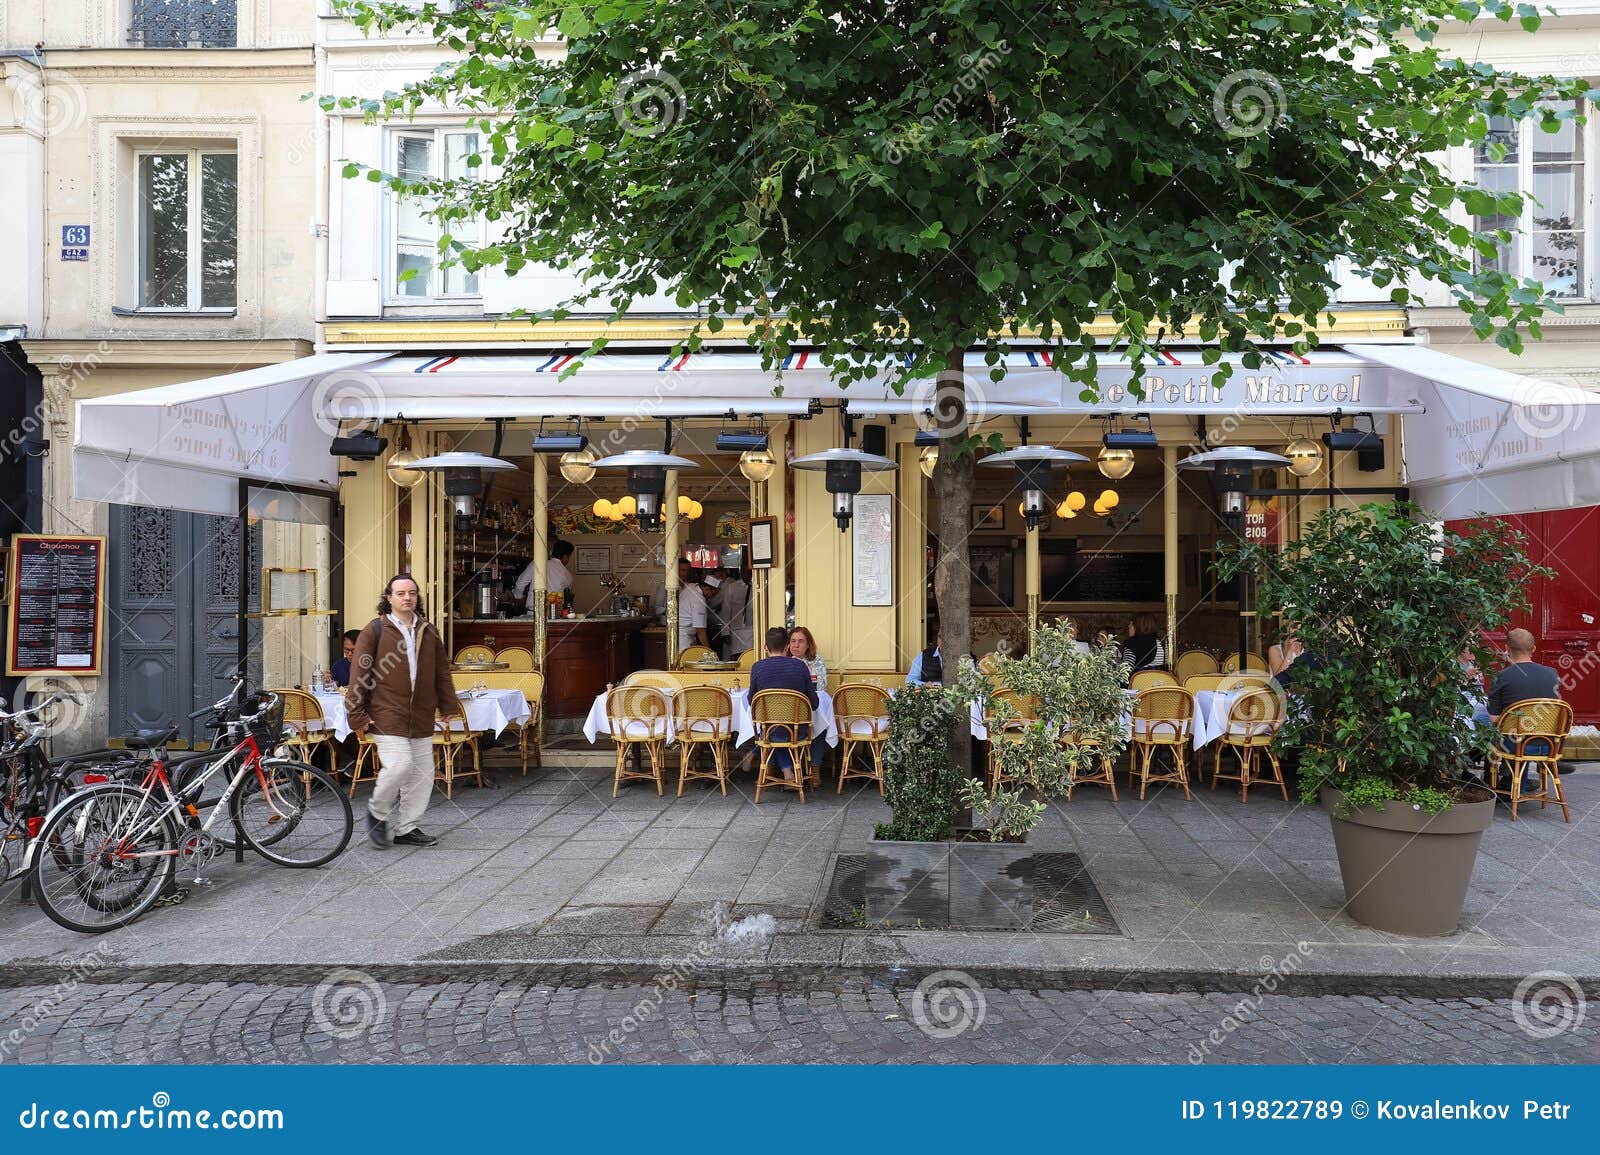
{"points": [[593, 559], [634, 555], [988, 516], [763, 538], [994, 576]]}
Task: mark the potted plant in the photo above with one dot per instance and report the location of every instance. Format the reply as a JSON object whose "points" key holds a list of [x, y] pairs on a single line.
{"points": [[1387, 604], [923, 866]]}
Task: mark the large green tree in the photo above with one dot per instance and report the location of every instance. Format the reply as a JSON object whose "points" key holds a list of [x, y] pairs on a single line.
{"points": [[899, 181]]}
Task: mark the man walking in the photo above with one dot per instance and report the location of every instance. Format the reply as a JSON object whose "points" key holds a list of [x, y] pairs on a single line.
{"points": [[399, 680]]}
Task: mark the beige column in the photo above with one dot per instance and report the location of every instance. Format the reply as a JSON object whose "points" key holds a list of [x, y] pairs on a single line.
{"points": [[1034, 580], [758, 584], [541, 577], [1169, 544], [669, 549]]}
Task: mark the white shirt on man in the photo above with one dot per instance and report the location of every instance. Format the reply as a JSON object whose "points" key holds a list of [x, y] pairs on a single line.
{"points": [[557, 579], [408, 641], [691, 615], [733, 611]]}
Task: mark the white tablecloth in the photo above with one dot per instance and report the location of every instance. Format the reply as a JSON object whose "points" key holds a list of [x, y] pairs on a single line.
{"points": [[980, 730], [492, 710], [1211, 714], [598, 722]]}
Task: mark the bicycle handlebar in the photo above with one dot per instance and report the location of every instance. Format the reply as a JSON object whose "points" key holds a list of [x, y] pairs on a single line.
{"points": [[41, 707]]}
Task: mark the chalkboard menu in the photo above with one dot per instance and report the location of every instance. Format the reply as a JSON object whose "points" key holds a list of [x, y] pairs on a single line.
{"points": [[1069, 575], [56, 597]]}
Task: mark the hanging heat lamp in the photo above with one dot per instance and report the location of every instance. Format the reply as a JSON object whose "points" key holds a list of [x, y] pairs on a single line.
{"points": [[1033, 465], [843, 469], [463, 477], [646, 480]]}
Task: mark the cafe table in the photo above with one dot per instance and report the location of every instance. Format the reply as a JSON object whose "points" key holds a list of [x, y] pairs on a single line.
{"points": [[486, 710]]}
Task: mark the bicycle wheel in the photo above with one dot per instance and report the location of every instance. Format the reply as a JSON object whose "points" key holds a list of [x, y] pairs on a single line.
{"points": [[292, 814], [103, 858]]}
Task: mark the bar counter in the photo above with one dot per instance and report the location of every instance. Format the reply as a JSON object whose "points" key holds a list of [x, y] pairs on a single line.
{"points": [[583, 654]]}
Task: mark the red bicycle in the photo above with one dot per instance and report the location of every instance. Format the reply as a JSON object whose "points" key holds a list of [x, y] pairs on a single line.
{"points": [[106, 854]]}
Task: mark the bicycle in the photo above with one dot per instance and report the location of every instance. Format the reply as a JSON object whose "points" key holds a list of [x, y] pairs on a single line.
{"points": [[105, 855]]}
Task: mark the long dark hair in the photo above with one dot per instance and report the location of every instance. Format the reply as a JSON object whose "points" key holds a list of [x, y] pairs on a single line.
{"points": [[386, 609]]}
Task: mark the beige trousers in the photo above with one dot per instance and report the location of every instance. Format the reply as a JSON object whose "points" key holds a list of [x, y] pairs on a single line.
{"points": [[405, 776]]}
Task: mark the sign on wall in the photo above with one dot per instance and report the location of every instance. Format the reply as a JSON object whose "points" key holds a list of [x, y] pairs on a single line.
{"points": [[56, 589], [872, 538], [74, 242]]}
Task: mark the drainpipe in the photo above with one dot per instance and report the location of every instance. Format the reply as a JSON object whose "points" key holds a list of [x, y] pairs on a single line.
{"points": [[319, 224]]}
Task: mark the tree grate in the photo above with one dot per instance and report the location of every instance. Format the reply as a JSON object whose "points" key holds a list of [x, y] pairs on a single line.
{"points": [[1066, 898]]}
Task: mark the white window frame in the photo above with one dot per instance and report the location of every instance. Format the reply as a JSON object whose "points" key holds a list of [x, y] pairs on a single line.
{"points": [[472, 233], [195, 261], [1522, 236]]}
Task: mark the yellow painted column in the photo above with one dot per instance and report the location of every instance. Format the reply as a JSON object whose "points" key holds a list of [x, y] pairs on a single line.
{"points": [[758, 584], [1169, 544], [669, 512], [1034, 582], [541, 577]]}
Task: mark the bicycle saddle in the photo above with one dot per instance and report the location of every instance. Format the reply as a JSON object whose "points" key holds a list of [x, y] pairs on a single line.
{"points": [[150, 739]]}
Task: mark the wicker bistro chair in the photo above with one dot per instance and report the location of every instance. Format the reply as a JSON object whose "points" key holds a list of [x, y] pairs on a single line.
{"points": [[1150, 679], [702, 719], [1194, 683], [1231, 663], [366, 749], [1246, 680], [791, 710], [1026, 713], [516, 658], [1106, 774], [1532, 734], [861, 711], [474, 654], [1163, 719], [638, 717], [696, 654], [305, 729], [1254, 718], [748, 659], [1192, 662], [451, 739], [655, 679]]}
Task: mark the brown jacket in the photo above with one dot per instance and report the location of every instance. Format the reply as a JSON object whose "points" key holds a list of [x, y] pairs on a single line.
{"points": [[380, 697]]}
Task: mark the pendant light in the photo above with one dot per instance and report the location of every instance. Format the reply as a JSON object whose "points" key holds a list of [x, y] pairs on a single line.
{"points": [[401, 468], [1305, 456]]}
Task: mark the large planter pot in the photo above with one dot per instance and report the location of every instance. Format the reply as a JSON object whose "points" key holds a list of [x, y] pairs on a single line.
{"points": [[1406, 871], [964, 883]]}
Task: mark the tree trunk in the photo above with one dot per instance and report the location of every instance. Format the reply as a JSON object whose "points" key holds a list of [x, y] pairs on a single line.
{"points": [[952, 576]]}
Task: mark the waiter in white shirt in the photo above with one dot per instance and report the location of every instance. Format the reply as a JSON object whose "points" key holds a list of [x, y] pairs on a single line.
{"points": [[557, 577], [732, 606], [692, 618]]}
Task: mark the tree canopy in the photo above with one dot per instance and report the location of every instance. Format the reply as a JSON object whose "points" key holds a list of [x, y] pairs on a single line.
{"points": [[895, 179]]}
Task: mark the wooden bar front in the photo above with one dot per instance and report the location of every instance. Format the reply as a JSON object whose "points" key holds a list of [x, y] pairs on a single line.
{"points": [[583, 654]]}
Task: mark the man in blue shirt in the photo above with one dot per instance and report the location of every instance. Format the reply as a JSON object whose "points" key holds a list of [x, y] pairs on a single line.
{"points": [[341, 668], [779, 671], [927, 668]]}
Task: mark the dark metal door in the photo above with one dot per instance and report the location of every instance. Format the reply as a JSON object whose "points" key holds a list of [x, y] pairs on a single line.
{"points": [[174, 616]]}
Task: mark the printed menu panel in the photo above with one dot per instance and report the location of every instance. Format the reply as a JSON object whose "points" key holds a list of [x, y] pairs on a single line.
{"points": [[57, 593]]}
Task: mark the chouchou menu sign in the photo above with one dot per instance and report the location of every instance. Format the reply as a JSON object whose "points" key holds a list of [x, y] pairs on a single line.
{"points": [[55, 610]]}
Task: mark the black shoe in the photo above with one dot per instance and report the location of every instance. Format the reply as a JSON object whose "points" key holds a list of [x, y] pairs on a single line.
{"points": [[415, 838], [378, 831]]}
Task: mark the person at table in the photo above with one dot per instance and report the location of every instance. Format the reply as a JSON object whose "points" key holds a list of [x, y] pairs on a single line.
{"points": [[1283, 655], [1522, 680], [732, 607], [400, 680], [781, 669], [341, 669], [557, 577], [927, 668], [803, 646], [693, 616], [1143, 646]]}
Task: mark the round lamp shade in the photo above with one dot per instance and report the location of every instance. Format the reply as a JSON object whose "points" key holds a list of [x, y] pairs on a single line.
{"points": [[928, 461], [1305, 456], [578, 466], [400, 469], [1115, 464], [756, 464]]}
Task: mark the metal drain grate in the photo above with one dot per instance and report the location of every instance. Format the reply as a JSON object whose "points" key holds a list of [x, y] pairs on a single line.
{"points": [[1067, 900]]}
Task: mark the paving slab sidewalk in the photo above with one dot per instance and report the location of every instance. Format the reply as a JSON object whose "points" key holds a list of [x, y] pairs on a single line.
{"points": [[550, 869]]}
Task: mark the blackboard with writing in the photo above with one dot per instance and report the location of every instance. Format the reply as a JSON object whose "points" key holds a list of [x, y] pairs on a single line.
{"points": [[1103, 576], [57, 586]]}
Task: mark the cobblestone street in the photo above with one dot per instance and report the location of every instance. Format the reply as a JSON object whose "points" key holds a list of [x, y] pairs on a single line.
{"points": [[348, 1017]]}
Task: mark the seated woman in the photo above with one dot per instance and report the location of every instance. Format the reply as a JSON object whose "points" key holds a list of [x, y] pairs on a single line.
{"points": [[1281, 656], [1144, 646], [803, 646]]}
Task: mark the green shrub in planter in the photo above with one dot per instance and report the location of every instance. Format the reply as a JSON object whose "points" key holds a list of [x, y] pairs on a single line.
{"points": [[1386, 602], [919, 784]]}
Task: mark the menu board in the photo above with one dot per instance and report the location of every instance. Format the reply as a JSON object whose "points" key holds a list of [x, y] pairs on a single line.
{"points": [[56, 596], [872, 550], [1102, 576]]}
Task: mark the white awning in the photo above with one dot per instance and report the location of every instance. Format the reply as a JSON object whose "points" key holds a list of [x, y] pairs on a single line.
{"points": [[1474, 438], [187, 446], [1491, 441]]}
